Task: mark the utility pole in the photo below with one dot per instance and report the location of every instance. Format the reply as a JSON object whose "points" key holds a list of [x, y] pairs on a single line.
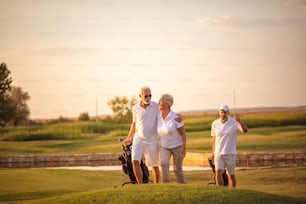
{"points": [[96, 109]]}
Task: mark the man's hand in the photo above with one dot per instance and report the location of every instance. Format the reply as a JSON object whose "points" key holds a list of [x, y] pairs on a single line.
{"points": [[243, 126], [127, 142]]}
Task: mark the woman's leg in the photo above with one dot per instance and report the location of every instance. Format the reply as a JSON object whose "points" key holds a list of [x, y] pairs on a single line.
{"points": [[164, 163], [178, 164]]}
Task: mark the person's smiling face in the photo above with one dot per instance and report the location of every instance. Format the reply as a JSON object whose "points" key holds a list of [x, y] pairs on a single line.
{"points": [[146, 96], [223, 115]]}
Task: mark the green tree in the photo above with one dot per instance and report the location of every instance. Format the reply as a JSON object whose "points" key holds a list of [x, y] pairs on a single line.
{"points": [[18, 102], [122, 108], [84, 117], [5, 87]]}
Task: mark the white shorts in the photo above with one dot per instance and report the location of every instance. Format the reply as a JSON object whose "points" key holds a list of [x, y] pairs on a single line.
{"points": [[149, 149], [228, 161]]}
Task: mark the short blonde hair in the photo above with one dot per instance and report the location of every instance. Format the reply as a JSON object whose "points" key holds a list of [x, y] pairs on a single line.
{"points": [[168, 99]]}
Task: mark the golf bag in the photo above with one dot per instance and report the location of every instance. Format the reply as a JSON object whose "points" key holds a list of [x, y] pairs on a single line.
{"points": [[127, 167], [212, 165]]}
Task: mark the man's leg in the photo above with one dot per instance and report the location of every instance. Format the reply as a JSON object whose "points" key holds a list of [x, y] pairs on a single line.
{"points": [[219, 168], [231, 165], [151, 157], [155, 174], [137, 150], [137, 171], [219, 177], [232, 181]]}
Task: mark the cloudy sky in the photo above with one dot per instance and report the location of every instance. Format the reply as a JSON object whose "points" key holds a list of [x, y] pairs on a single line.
{"points": [[68, 54]]}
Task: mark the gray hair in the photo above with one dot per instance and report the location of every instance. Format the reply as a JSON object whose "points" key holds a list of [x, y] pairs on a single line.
{"points": [[168, 99]]}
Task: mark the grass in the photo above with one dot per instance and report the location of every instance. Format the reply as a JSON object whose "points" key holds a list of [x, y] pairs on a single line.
{"points": [[276, 185], [22, 184], [61, 131], [289, 138], [252, 119], [86, 130], [268, 131], [273, 131], [171, 194]]}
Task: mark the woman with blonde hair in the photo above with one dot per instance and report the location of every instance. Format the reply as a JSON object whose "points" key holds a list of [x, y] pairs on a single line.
{"points": [[170, 128]]}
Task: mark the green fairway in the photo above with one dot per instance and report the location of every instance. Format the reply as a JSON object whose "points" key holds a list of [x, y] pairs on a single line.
{"points": [[289, 138], [276, 185], [268, 132], [171, 194]]}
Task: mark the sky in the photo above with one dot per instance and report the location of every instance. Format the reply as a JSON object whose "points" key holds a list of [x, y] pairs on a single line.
{"points": [[72, 56]]}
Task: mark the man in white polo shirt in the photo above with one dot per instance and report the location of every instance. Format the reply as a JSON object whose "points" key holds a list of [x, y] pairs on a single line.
{"points": [[224, 133], [143, 132]]}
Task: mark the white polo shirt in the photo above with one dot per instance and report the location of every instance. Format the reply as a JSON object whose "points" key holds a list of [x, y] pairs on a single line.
{"points": [[146, 121], [167, 130], [226, 135]]}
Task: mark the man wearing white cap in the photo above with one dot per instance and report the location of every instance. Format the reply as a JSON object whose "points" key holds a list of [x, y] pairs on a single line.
{"points": [[224, 133]]}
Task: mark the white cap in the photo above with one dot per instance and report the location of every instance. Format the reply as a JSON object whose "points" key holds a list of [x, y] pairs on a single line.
{"points": [[224, 107]]}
